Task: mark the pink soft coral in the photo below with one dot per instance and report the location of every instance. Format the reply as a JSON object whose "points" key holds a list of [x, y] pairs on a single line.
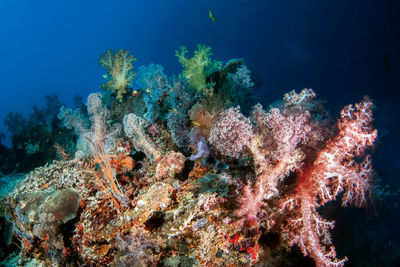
{"points": [[231, 133], [335, 170], [275, 149]]}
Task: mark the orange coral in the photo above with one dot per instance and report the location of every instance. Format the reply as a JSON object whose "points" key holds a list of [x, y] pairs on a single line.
{"points": [[128, 163], [122, 163], [198, 171], [201, 118], [101, 158]]}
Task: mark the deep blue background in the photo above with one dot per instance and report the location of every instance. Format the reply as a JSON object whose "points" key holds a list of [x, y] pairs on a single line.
{"points": [[335, 47]]}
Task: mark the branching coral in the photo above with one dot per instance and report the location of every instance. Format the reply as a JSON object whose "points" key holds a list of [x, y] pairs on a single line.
{"points": [[120, 71], [197, 68], [276, 152], [335, 171], [239, 87], [74, 119], [134, 128], [231, 133], [100, 131], [155, 86], [108, 178]]}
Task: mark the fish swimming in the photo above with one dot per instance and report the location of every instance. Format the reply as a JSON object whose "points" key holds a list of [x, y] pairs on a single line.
{"points": [[211, 15]]}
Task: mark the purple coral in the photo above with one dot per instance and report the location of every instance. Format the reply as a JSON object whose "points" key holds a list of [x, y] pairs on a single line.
{"points": [[202, 149]]}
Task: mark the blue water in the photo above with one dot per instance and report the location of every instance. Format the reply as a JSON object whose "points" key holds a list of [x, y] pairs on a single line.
{"points": [[342, 49]]}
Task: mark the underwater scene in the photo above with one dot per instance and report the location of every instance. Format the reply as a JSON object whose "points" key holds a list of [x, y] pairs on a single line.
{"points": [[200, 133]]}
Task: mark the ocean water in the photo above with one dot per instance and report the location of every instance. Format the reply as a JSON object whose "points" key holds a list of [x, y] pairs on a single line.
{"points": [[50, 52]]}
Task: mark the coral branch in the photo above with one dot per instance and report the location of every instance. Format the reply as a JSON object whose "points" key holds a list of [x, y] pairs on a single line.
{"points": [[120, 71], [334, 171], [275, 148], [101, 158], [134, 128]]}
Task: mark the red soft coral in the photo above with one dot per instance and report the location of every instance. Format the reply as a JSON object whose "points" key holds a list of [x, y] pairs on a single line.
{"points": [[336, 169]]}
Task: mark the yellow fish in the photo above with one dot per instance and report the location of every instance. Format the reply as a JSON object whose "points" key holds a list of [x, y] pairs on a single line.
{"points": [[173, 111], [148, 91], [196, 123], [211, 15]]}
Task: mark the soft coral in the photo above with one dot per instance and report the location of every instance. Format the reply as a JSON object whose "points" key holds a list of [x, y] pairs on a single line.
{"points": [[120, 70], [197, 68], [337, 169]]}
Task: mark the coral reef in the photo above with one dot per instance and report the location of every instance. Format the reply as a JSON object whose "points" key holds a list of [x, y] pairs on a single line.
{"points": [[171, 174]]}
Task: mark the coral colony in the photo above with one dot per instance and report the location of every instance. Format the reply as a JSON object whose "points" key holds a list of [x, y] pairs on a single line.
{"points": [[191, 171]]}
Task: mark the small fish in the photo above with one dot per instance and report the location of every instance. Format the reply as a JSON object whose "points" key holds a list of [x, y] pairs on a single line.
{"points": [[211, 15], [173, 111], [105, 76], [196, 123], [148, 91], [135, 92]]}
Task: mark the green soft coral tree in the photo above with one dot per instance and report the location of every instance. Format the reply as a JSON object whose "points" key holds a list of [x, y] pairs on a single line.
{"points": [[197, 68], [120, 71]]}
